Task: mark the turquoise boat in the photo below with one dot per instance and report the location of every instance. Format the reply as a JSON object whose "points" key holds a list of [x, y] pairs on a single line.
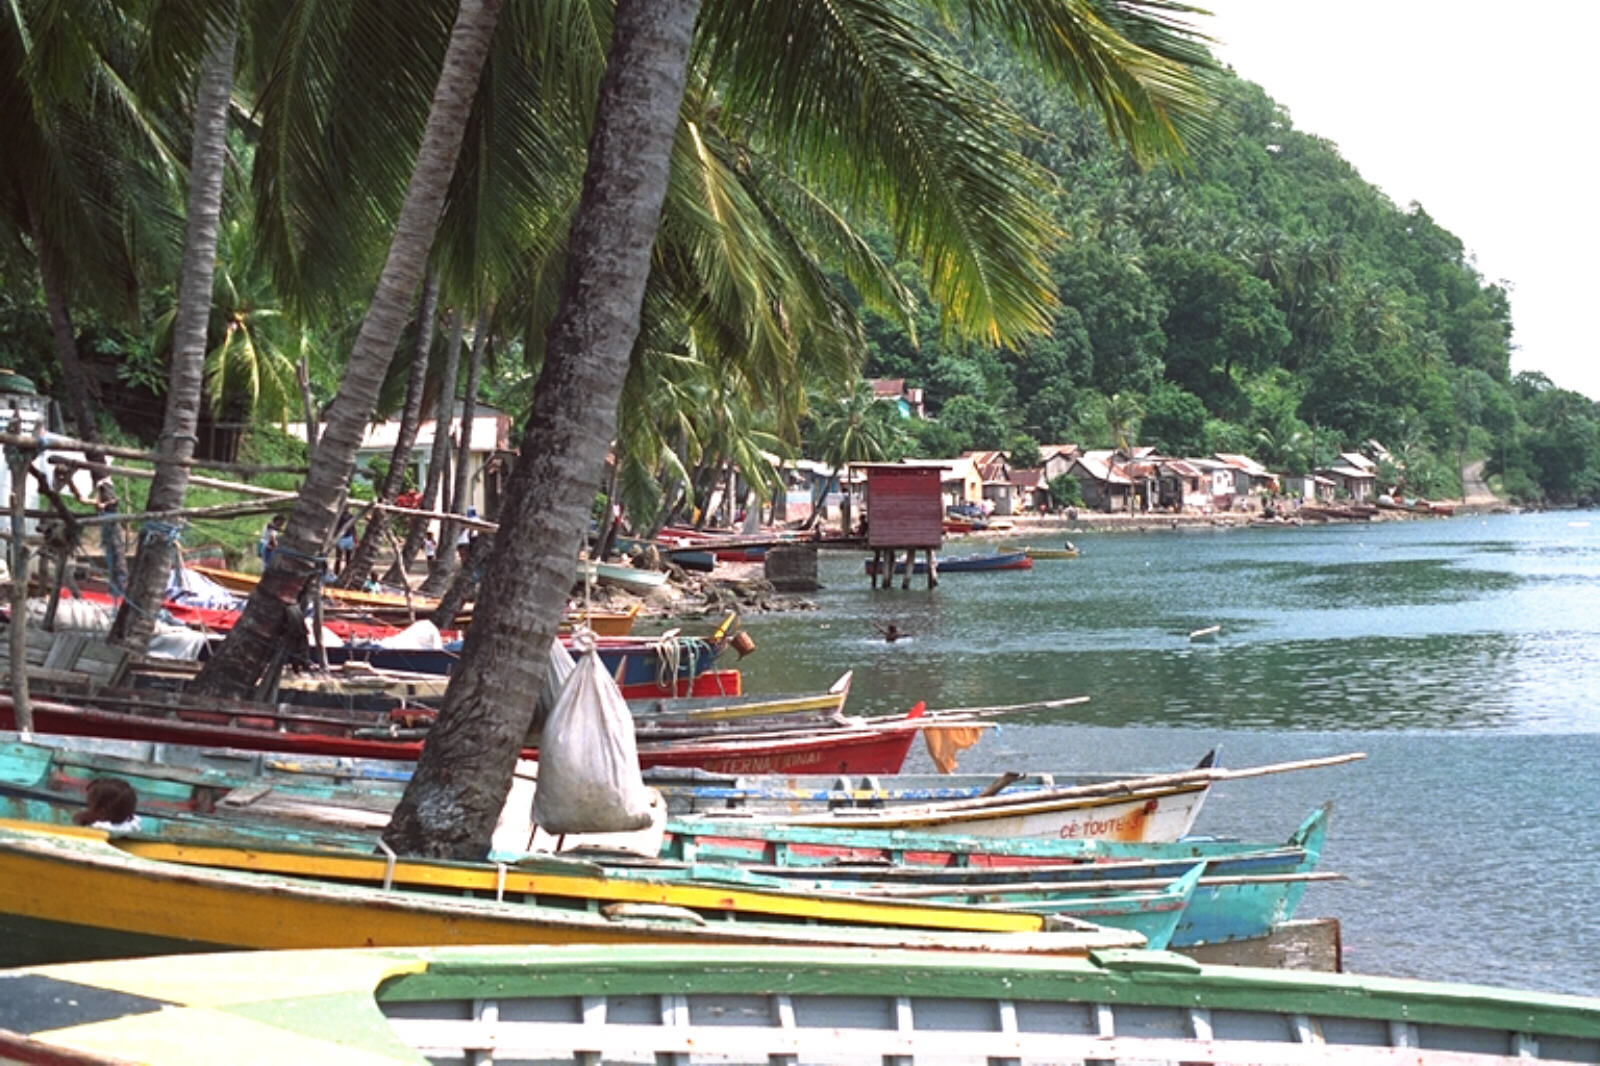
{"points": [[1153, 910], [676, 1004], [1155, 890], [1247, 889]]}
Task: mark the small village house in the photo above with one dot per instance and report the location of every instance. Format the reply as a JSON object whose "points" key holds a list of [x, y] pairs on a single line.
{"points": [[1309, 488], [994, 471], [1031, 490], [908, 402], [961, 482], [1055, 459], [1102, 484], [1181, 486], [1353, 475], [1249, 476], [490, 438], [1217, 483]]}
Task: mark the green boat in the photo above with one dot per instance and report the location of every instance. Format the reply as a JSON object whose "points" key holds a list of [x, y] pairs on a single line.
{"points": [[632, 1003]]}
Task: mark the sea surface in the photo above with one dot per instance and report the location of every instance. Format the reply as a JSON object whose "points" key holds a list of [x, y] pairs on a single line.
{"points": [[1462, 655]]}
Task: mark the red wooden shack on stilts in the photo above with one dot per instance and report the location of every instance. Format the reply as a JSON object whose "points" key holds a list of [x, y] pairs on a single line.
{"points": [[904, 512]]}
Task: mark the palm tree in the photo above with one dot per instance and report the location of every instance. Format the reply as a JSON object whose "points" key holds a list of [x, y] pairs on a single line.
{"points": [[450, 806], [236, 666], [1122, 413], [859, 428], [405, 440], [82, 160], [147, 581]]}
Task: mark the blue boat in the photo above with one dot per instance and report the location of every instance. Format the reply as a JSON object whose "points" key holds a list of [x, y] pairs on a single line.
{"points": [[638, 663]]}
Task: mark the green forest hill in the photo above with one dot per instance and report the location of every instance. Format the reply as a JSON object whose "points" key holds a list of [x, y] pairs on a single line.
{"points": [[1264, 300]]}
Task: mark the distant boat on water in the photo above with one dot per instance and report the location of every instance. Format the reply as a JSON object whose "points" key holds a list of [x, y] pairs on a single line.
{"points": [[1208, 635]]}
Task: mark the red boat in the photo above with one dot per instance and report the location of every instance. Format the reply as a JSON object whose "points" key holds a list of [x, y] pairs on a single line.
{"points": [[137, 715]]}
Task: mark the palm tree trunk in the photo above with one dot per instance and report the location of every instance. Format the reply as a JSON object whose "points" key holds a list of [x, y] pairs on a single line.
{"points": [[80, 404], [147, 583], [410, 420], [444, 562], [238, 664], [444, 410], [453, 799], [464, 586]]}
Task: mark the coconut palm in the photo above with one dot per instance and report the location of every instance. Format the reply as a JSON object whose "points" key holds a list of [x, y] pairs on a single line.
{"points": [[859, 428], [451, 803], [82, 160], [238, 662], [1122, 412], [147, 581]]}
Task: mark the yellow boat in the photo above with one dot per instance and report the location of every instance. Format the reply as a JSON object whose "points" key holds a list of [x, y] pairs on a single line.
{"points": [[398, 608], [1051, 553], [90, 891]]}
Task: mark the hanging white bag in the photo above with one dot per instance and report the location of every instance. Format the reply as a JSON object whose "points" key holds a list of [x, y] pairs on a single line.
{"points": [[589, 780]]}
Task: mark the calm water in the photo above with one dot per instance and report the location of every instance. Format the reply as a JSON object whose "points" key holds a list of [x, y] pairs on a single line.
{"points": [[1462, 655]]}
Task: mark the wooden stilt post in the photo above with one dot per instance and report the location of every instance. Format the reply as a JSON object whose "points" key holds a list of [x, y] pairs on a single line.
{"points": [[877, 566], [911, 564], [22, 707], [933, 570]]}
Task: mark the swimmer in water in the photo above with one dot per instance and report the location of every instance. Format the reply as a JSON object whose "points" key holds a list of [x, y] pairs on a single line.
{"points": [[891, 633]]}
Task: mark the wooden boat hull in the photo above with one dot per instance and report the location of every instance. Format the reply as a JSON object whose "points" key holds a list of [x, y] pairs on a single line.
{"points": [[1051, 553], [864, 750], [634, 663], [77, 878], [1247, 889], [660, 1004], [640, 582]]}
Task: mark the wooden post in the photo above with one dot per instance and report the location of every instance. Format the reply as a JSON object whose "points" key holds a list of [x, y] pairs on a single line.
{"points": [[877, 566], [933, 570], [911, 564], [22, 706]]}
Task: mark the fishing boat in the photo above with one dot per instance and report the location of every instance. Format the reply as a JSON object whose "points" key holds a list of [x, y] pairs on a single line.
{"points": [[1150, 898], [623, 576], [652, 1003], [381, 606], [869, 746], [80, 884], [958, 564], [1155, 808], [1246, 890], [1208, 635], [1050, 553], [630, 660]]}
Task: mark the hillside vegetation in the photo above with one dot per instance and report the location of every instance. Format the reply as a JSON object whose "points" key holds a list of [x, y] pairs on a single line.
{"points": [[1264, 299]]}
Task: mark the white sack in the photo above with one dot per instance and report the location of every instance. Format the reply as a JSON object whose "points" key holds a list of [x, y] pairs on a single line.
{"points": [[589, 779], [555, 679], [421, 635]]}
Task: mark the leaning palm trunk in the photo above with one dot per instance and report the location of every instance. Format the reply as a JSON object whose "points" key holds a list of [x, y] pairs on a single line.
{"points": [[464, 586], [238, 664], [443, 410], [410, 419], [444, 562], [449, 807], [147, 583], [53, 281]]}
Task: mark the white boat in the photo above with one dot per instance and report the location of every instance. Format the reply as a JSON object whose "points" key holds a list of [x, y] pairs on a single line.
{"points": [[708, 1003], [629, 578], [1207, 635]]}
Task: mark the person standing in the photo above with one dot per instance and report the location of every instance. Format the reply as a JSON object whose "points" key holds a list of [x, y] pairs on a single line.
{"points": [[105, 503], [269, 540]]}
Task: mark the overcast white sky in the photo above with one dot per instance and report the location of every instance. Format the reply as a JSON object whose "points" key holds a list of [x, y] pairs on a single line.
{"points": [[1480, 112]]}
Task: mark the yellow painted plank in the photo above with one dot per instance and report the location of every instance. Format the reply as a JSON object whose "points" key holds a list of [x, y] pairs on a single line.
{"points": [[222, 980], [202, 1037], [483, 879]]}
